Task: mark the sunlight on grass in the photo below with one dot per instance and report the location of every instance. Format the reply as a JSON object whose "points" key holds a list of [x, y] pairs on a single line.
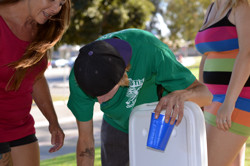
{"points": [[195, 67], [59, 98], [70, 160], [247, 155]]}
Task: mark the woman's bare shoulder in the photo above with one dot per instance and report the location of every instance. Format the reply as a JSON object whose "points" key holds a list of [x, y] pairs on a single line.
{"points": [[243, 6]]}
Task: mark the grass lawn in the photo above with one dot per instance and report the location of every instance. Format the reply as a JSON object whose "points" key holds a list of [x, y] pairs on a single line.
{"points": [[70, 160]]}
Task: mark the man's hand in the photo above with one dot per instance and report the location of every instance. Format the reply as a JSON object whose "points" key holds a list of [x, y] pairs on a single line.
{"points": [[173, 103]]}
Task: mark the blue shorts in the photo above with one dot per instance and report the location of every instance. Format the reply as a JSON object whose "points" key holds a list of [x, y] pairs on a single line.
{"points": [[6, 146]]}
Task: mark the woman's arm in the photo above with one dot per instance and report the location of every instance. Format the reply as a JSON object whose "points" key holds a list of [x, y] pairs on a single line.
{"points": [[42, 98], [241, 70], [201, 68]]}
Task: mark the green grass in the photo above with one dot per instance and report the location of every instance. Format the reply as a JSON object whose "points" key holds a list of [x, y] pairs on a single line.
{"points": [[59, 98], [70, 159], [195, 67], [247, 154]]}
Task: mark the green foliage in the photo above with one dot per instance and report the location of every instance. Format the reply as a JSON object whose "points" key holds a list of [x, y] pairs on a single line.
{"points": [[185, 17], [93, 18]]}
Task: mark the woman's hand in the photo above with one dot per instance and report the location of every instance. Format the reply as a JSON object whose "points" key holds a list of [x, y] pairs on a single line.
{"points": [[223, 118], [57, 137], [43, 100]]}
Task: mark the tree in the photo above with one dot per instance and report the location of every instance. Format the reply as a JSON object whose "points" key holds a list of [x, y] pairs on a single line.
{"points": [[154, 21], [184, 18], [93, 18]]}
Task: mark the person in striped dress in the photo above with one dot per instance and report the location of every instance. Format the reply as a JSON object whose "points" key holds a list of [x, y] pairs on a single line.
{"points": [[224, 42]]}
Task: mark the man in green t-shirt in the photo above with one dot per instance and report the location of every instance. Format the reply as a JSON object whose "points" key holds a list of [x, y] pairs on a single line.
{"points": [[121, 70]]}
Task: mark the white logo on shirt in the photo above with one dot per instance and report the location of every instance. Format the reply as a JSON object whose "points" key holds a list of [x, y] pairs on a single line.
{"points": [[133, 90]]}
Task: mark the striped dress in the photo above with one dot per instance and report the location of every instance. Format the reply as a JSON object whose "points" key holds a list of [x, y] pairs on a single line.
{"points": [[219, 42]]}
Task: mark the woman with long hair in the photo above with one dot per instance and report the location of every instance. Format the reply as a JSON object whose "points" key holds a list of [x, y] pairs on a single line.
{"points": [[224, 42], [28, 29]]}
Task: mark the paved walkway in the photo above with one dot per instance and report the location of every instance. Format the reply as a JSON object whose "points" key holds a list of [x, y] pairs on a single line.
{"points": [[68, 124], [57, 79]]}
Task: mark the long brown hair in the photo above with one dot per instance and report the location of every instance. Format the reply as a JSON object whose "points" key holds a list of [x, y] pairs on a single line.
{"points": [[47, 36], [232, 3], [124, 80]]}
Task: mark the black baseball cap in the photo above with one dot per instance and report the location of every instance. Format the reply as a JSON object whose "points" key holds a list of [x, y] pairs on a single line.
{"points": [[101, 64]]}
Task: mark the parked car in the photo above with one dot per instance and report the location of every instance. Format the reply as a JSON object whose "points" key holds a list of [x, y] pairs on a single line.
{"points": [[59, 62], [72, 61]]}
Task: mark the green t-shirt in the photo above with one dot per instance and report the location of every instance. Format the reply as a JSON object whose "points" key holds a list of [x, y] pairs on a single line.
{"points": [[152, 64]]}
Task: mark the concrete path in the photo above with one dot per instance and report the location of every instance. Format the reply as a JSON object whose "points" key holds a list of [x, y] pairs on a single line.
{"points": [[68, 124]]}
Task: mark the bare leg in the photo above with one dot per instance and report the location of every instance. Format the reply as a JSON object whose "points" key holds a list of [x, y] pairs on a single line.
{"points": [[26, 155], [5, 159], [223, 147], [240, 159]]}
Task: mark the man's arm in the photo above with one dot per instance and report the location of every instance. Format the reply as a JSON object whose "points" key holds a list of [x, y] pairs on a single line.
{"points": [[196, 92], [85, 152]]}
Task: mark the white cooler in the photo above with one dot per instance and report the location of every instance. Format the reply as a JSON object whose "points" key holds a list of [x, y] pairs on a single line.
{"points": [[187, 145]]}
